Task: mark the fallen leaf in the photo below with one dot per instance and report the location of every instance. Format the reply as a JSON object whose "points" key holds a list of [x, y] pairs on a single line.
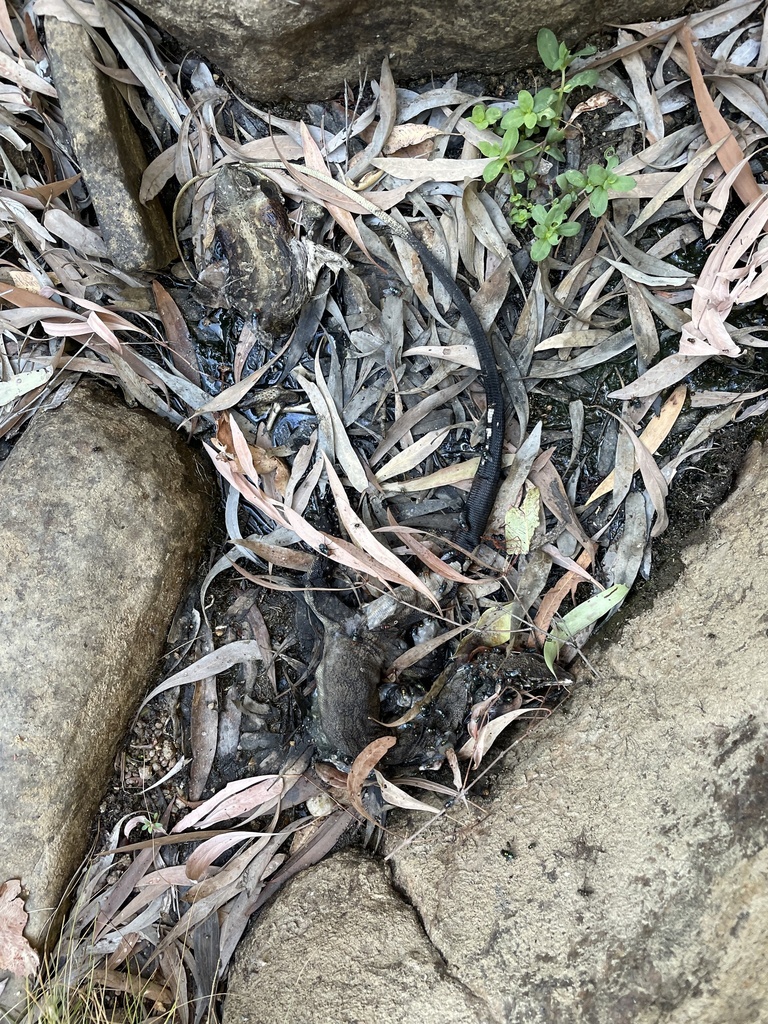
{"points": [[16, 954], [362, 767]]}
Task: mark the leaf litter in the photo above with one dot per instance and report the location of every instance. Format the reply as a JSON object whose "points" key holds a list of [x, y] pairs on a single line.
{"points": [[606, 350]]}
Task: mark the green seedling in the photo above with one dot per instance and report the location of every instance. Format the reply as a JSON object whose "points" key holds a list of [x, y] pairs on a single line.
{"points": [[531, 131]]}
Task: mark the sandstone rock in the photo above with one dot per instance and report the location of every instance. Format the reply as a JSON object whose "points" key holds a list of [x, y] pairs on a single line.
{"points": [[306, 51], [339, 946], [112, 160], [104, 512], [620, 873]]}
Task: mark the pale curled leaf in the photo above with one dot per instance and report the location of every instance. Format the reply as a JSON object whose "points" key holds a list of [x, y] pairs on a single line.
{"points": [[217, 661], [399, 798], [23, 383], [476, 747]]}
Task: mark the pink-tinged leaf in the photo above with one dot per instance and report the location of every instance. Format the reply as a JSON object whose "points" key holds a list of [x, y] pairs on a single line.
{"points": [[16, 954], [236, 799], [389, 566], [476, 748], [717, 289], [715, 125], [314, 159]]}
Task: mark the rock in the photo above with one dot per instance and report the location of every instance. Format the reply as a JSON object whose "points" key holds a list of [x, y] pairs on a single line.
{"points": [[620, 871], [307, 51], [104, 512], [112, 160], [339, 946]]}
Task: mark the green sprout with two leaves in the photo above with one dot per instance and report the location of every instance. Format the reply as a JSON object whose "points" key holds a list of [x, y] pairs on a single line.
{"points": [[533, 130]]}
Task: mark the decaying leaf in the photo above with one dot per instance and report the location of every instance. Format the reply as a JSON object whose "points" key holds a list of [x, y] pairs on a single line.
{"points": [[16, 954]]}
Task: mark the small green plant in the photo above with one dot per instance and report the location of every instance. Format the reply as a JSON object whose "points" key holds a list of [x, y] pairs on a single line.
{"points": [[533, 130], [151, 824]]}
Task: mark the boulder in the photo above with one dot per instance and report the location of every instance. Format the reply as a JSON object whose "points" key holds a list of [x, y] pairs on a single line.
{"points": [[105, 510], [618, 870], [340, 945], [279, 50]]}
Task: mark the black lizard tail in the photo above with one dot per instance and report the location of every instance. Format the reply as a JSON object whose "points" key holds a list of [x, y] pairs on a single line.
{"points": [[486, 481]]}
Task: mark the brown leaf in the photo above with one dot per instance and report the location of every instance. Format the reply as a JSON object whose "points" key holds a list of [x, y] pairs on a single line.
{"points": [[16, 954], [362, 767], [715, 125], [182, 350]]}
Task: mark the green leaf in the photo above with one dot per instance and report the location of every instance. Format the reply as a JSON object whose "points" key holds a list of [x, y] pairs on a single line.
{"points": [[540, 250], [478, 115], [569, 229], [548, 47], [489, 148], [508, 143], [493, 169], [623, 183], [598, 202], [587, 51], [521, 523], [575, 178], [544, 98], [493, 114], [539, 213], [580, 80], [596, 175], [512, 119], [581, 617]]}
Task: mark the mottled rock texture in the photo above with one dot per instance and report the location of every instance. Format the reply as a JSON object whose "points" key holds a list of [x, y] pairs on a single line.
{"points": [[619, 874], [111, 157], [340, 947], [303, 51], [104, 512]]}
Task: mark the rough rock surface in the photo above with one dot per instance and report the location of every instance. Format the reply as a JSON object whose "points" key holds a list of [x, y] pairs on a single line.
{"points": [[306, 51], [104, 511], [112, 160], [620, 873], [341, 947]]}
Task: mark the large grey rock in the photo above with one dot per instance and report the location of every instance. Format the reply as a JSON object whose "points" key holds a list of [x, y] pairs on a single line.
{"points": [[638, 886], [339, 946], [619, 874], [111, 157], [279, 49], [104, 510]]}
